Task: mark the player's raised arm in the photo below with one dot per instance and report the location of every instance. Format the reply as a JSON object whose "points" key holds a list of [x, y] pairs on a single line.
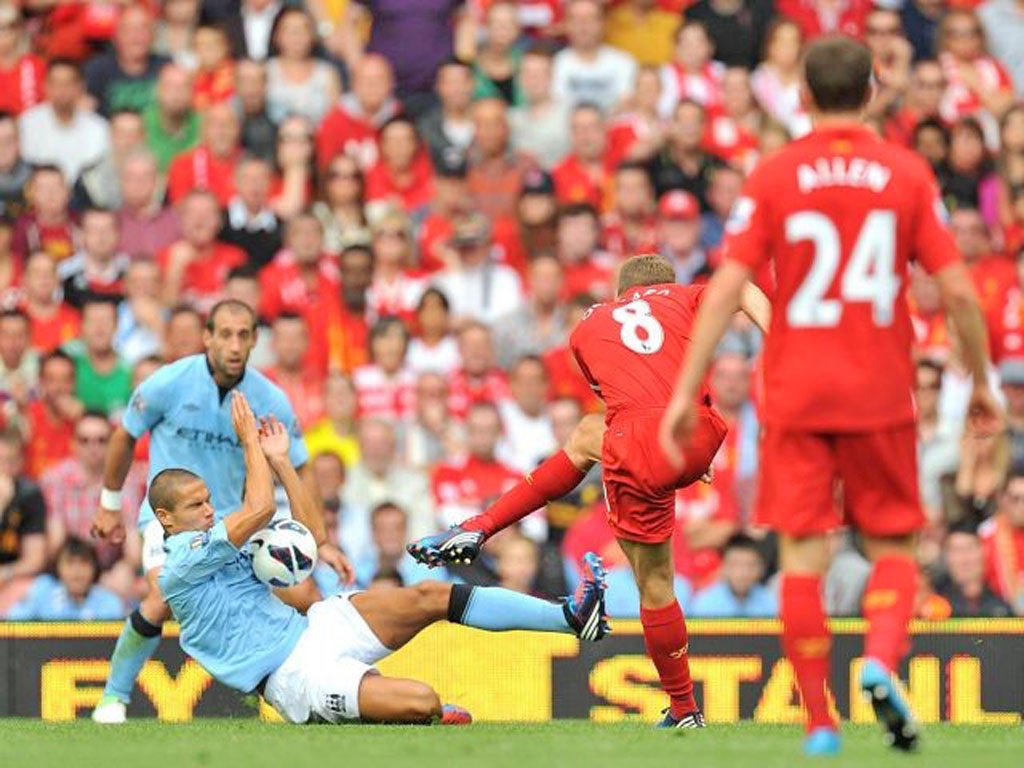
{"points": [[721, 301], [755, 305], [274, 442], [258, 503], [108, 520]]}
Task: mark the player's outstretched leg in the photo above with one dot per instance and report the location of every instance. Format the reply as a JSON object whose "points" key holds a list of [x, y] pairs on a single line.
{"points": [[136, 644], [888, 605], [553, 479]]}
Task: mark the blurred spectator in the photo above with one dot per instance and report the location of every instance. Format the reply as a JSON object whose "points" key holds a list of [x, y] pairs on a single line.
{"points": [[776, 80], [99, 185], [1004, 29], [146, 226], [211, 165], [540, 324], [679, 231], [723, 192], [396, 288], [379, 477], [431, 433], [183, 334], [249, 24], [19, 362], [250, 224], [736, 27], [478, 287], [466, 485], [495, 174], [993, 275], [22, 524], [964, 586], [588, 71], [123, 78], [10, 266], [385, 580], [71, 490], [517, 563], [98, 268], [389, 532], [386, 387], [435, 348], [536, 218], [827, 17], [196, 267], [21, 72], [259, 132], [479, 379], [304, 385], [1000, 198], [102, 379], [447, 129], [1011, 377], [497, 62], [585, 174], [930, 139], [297, 82], [346, 327], [74, 594], [175, 34], [684, 164], [692, 75], [243, 285], [1002, 537], [335, 433], [402, 175], [526, 424], [539, 123], [296, 166], [738, 592], [630, 227], [643, 30], [58, 131], [847, 576], [892, 54], [588, 269], [140, 315], [340, 204], [14, 171], [966, 166], [50, 418], [215, 71], [921, 102], [48, 224], [52, 321], [172, 127], [353, 126], [735, 467], [938, 443]]}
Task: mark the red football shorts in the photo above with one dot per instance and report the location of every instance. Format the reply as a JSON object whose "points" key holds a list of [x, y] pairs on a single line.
{"points": [[639, 482], [878, 470]]}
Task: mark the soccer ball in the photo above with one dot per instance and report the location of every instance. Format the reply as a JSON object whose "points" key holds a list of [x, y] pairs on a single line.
{"points": [[283, 553]]}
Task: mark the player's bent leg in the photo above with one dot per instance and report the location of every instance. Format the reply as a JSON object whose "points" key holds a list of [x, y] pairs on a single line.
{"points": [[665, 634], [553, 479], [301, 596], [136, 644]]}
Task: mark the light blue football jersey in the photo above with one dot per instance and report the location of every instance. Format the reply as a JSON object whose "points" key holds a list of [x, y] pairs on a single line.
{"points": [[231, 623], [189, 420]]}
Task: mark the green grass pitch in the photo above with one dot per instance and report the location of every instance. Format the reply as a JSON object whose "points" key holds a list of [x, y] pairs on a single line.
{"points": [[568, 744]]}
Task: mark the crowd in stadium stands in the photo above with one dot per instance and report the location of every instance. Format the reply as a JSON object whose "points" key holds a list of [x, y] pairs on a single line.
{"points": [[421, 199]]}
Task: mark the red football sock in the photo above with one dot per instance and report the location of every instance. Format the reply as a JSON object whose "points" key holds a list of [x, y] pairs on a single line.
{"points": [[668, 646], [888, 604], [553, 479], [807, 643]]}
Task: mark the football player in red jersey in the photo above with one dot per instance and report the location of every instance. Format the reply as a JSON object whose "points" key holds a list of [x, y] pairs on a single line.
{"points": [[628, 349], [840, 214]]}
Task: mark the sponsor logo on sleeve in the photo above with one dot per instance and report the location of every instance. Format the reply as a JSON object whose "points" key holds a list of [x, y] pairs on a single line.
{"points": [[742, 213]]}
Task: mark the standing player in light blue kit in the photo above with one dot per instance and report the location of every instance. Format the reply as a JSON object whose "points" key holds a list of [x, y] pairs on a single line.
{"points": [[186, 409]]}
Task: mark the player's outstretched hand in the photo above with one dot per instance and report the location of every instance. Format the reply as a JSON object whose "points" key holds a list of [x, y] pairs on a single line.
{"points": [[677, 422], [984, 413], [243, 420], [108, 525], [274, 440], [339, 562]]}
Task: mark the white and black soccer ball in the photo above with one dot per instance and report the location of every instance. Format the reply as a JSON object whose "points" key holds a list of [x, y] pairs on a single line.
{"points": [[283, 553]]}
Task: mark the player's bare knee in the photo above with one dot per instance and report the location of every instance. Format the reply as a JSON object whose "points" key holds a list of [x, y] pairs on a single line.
{"points": [[432, 598], [584, 444], [154, 609]]}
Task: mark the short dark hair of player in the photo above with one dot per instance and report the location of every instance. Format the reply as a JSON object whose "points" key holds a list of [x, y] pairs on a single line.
{"points": [[163, 489], [646, 269], [742, 541], [838, 73], [229, 305]]}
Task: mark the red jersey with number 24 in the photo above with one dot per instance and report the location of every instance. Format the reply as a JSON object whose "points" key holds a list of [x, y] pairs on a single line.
{"points": [[840, 213], [631, 349]]}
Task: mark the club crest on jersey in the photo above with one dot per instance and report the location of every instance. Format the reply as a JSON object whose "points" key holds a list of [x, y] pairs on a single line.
{"points": [[138, 404], [199, 541], [941, 211], [739, 218]]}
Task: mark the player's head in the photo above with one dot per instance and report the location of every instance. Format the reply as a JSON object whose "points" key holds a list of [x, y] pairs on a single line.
{"points": [[180, 501], [837, 75], [646, 269], [229, 337]]}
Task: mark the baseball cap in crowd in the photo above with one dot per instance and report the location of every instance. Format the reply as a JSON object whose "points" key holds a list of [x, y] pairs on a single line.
{"points": [[1011, 371], [451, 165], [472, 229], [678, 204], [537, 182]]}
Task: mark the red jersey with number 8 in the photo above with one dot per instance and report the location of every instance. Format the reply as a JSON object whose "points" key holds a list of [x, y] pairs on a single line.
{"points": [[631, 349], [841, 214]]}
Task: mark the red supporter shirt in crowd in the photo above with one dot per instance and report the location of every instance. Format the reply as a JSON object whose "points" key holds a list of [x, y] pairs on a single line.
{"points": [[467, 486], [48, 333], [50, 440], [840, 213], [703, 86], [621, 243], [631, 349], [58, 240], [412, 194], [201, 169], [993, 277], [727, 138], [21, 86], [464, 391], [595, 277], [1004, 556], [398, 297], [213, 87], [341, 132], [931, 336], [567, 380], [383, 396], [206, 275], [305, 392], [347, 337], [576, 183], [849, 21], [959, 100]]}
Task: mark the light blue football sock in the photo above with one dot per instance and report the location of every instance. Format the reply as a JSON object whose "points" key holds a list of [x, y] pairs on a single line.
{"points": [[497, 609], [135, 646]]}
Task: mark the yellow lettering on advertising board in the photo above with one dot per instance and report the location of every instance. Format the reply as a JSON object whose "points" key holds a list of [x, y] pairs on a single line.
{"points": [[965, 695], [923, 690], [722, 676], [627, 682], [60, 694], [780, 699], [174, 698]]}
